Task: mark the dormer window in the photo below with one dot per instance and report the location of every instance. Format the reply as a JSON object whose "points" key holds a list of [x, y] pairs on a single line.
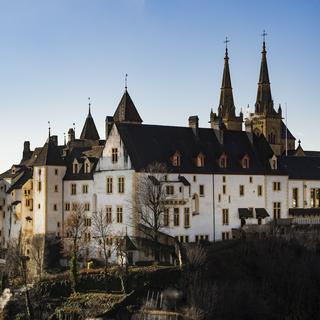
{"points": [[176, 159], [75, 167], [87, 166], [223, 160], [200, 160], [274, 163], [245, 162]]}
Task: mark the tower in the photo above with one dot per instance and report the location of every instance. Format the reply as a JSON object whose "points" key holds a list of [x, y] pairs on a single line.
{"points": [[266, 120], [226, 116]]}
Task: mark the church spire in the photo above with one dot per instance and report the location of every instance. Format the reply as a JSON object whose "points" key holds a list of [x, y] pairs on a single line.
{"points": [[264, 102], [226, 104]]}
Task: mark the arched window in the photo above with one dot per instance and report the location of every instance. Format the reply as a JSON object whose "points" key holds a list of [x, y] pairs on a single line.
{"points": [[200, 160], [176, 159], [245, 162], [223, 161]]}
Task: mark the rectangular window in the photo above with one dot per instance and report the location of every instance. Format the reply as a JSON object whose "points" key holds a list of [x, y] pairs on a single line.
{"points": [[276, 210], [315, 197], [55, 207], [108, 214], [67, 206], [121, 184], [109, 184], [194, 178], [259, 190], [87, 206], [186, 217], [250, 179], [114, 155], [241, 190], [224, 189], [73, 189], [276, 186], [201, 190], [169, 189], [56, 172], [75, 168], [87, 236], [84, 188], [39, 186], [55, 188], [225, 216], [176, 217], [166, 216], [295, 194], [87, 222], [119, 214], [225, 235], [224, 179]]}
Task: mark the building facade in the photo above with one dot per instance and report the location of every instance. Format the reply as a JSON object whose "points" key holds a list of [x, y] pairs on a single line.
{"points": [[218, 180]]}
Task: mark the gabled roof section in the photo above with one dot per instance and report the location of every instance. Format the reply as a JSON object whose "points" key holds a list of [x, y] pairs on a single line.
{"points": [[147, 144], [22, 180], [50, 155], [126, 111], [283, 132], [89, 131]]}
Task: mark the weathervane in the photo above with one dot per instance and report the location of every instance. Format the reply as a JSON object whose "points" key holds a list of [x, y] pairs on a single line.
{"points": [[226, 42], [264, 34], [126, 82], [89, 103], [49, 128]]}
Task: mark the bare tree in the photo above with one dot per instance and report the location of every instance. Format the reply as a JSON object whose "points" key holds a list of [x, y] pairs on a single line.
{"points": [[75, 228], [16, 264], [149, 204], [37, 254], [101, 225]]}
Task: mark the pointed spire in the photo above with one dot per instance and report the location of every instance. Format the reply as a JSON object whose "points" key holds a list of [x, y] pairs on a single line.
{"points": [[89, 103], [89, 131], [226, 104], [126, 111], [264, 102]]}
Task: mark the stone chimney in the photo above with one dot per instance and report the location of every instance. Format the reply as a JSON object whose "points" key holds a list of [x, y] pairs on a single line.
{"points": [[71, 135], [194, 124], [26, 151], [109, 124], [54, 139]]}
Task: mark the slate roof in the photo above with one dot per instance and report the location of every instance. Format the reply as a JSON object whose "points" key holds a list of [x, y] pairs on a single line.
{"points": [[283, 132], [27, 174], [147, 144], [304, 167], [50, 155], [89, 131], [126, 111]]}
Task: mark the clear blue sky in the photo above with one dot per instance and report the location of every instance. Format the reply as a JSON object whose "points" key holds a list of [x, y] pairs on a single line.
{"points": [[55, 54]]}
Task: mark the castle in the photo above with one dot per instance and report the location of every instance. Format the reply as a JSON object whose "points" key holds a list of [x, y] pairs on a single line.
{"points": [[219, 179]]}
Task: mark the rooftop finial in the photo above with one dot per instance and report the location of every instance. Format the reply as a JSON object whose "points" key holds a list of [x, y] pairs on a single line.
{"points": [[89, 103], [49, 129], [263, 35], [226, 42], [126, 82]]}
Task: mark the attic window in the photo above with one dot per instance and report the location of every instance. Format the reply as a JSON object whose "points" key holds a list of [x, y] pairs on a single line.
{"points": [[87, 167], [245, 162], [274, 163], [75, 168], [223, 161], [200, 160], [176, 159]]}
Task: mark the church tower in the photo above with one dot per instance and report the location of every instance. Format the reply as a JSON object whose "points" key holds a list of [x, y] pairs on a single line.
{"points": [[266, 120], [226, 117]]}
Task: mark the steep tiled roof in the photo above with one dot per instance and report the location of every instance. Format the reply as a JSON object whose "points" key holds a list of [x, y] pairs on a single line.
{"points": [[283, 132], [126, 111], [27, 174], [304, 167], [50, 155], [147, 144], [89, 131]]}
